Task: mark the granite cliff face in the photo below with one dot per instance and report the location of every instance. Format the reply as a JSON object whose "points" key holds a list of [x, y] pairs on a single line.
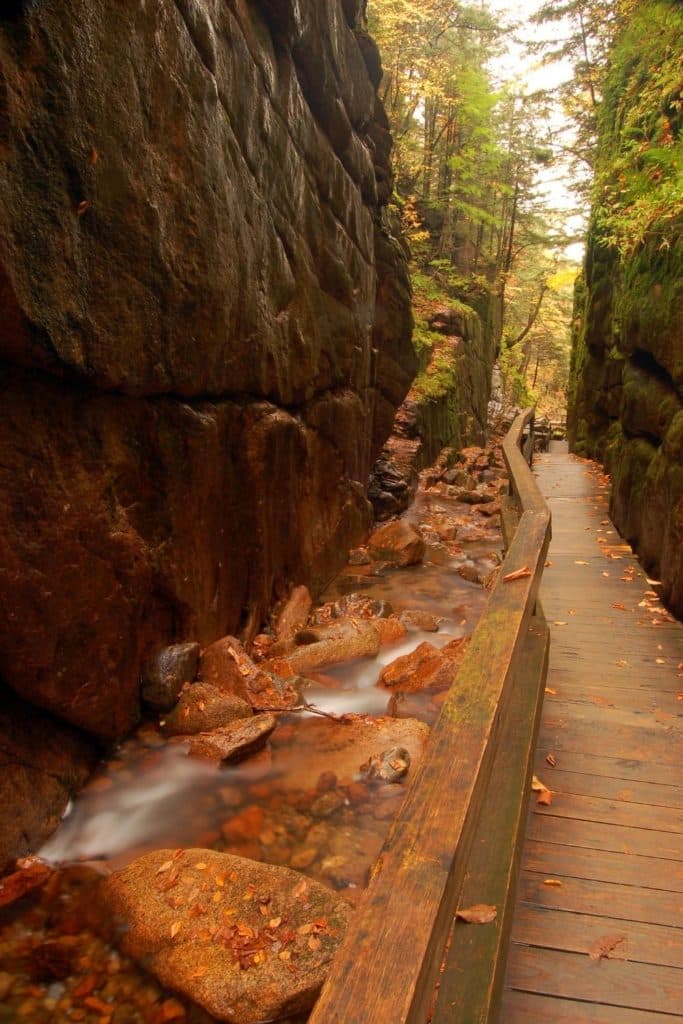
{"points": [[626, 408], [206, 326]]}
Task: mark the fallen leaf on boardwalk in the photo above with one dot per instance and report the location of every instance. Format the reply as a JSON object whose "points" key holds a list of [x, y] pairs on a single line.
{"points": [[680, 666], [550, 759], [545, 798], [549, 689], [618, 605], [605, 574], [480, 913], [546, 564], [553, 881], [581, 563], [622, 663], [536, 785], [679, 696], [560, 623], [518, 574], [603, 946], [660, 661], [653, 583]]}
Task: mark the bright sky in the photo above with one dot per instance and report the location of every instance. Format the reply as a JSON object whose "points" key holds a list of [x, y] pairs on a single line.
{"points": [[527, 71]]}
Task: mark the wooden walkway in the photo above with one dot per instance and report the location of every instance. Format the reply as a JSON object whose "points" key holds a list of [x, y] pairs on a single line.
{"points": [[602, 868]]}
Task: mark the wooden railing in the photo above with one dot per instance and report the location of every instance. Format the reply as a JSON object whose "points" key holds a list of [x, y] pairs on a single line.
{"points": [[456, 839]]}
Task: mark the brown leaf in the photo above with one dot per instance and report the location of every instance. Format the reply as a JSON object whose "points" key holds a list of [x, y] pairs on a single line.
{"points": [[82, 207], [550, 759], [545, 798], [603, 946], [480, 913], [518, 574], [554, 882]]}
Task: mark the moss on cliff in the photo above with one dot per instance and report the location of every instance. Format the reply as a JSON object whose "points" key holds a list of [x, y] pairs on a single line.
{"points": [[627, 363]]}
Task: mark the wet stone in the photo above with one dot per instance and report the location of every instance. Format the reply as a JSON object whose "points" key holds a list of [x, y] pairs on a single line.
{"points": [[165, 672], [171, 908], [203, 708], [233, 742], [389, 766]]}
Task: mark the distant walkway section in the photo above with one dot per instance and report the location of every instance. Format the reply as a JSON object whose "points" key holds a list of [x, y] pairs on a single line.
{"points": [[597, 936]]}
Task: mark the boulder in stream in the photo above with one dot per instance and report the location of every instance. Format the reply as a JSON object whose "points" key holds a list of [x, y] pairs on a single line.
{"points": [[398, 542], [233, 742], [203, 708], [246, 941], [165, 672], [426, 667]]}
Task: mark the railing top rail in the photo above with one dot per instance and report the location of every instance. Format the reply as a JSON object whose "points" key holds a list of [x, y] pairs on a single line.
{"points": [[386, 966]]}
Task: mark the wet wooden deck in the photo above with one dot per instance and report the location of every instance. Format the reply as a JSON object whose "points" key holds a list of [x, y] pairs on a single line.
{"points": [[612, 839]]}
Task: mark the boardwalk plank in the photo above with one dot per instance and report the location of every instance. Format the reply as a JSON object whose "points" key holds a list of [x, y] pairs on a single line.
{"points": [[616, 982], [613, 835], [535, 1009], [578, 933]]}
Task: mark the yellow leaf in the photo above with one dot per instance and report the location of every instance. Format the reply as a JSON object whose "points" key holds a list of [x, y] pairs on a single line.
{"points": [[175, 928]]}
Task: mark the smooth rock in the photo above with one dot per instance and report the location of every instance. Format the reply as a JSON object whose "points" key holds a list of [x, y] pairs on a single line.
{"points": [[245, 966], [232, 742], [203, 708], [398, 542], [165, 672]]}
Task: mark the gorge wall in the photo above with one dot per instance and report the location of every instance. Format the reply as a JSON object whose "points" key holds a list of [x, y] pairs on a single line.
{"points": [[626, 407], [206, 326]]}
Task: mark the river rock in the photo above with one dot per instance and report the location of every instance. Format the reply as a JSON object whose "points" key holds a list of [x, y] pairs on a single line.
{"points": [[233, 742], [342, 747], [415, 619], [389, 766], [426, 667], [246, 941], [203, 708], [294, 614], [330, 645], [227, 666], [398, 542], [165, 672]]}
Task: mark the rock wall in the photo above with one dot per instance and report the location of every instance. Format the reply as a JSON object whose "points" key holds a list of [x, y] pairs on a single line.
{"points": [[206, 326], [626, 406], [447, 405]]}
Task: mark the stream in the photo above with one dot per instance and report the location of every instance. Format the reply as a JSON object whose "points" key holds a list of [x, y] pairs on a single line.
{"points": [[301, 802]]}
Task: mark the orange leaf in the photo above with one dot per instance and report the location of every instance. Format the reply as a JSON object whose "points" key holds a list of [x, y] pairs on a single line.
{"points": [[314, 943], [554, 882], [175, 928], [545, 798], [550, 759], [603, 946], [518, 574], [480, 913]]}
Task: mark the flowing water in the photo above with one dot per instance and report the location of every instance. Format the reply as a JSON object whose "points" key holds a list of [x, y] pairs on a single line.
{"points": [[291, 804]]}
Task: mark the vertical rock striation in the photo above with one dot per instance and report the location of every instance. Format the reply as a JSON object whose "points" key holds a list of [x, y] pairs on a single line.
{"points": [[206, 326], [626, 406]]}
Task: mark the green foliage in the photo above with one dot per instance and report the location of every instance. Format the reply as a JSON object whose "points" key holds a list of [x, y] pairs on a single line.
{"points": [[639, 180]]}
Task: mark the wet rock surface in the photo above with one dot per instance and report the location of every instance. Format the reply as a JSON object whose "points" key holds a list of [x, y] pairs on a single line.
{"points": [[203, 707], [248, 942], [165, 673], [42, 763], [183, 435], [399, 543], [231, 742]]}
